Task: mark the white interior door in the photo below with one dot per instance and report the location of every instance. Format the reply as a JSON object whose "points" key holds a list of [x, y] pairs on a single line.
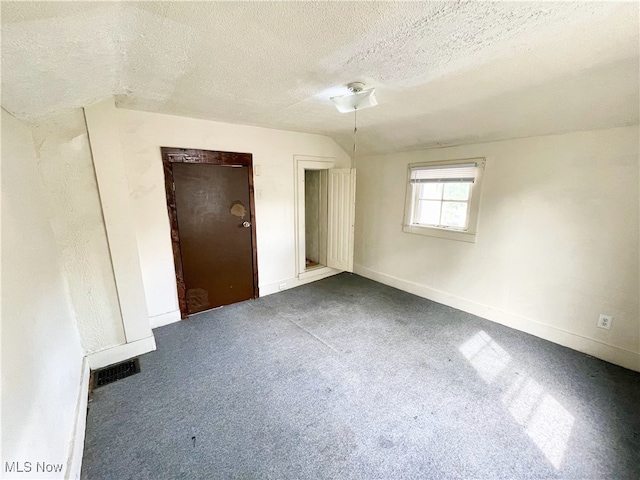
{"points": [[340, 218]]}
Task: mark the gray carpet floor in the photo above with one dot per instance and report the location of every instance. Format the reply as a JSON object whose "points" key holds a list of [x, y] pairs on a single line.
{"points": [[346, 378]]}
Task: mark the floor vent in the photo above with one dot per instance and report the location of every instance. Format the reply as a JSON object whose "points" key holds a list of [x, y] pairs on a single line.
{"points": [[113, 373]]}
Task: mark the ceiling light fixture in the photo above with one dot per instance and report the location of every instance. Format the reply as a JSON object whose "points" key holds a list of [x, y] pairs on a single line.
{"points": [[358, 99]]}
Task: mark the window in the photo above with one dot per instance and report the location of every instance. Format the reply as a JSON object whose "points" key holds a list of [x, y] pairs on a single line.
{"points": [[443, 198]]}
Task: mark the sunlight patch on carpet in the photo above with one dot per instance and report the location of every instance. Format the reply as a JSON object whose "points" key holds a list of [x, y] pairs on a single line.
{"points": [[547, 423]]}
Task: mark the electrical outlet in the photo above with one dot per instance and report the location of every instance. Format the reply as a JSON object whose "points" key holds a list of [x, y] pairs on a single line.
{"points": [[604, 321], [282, 286]]}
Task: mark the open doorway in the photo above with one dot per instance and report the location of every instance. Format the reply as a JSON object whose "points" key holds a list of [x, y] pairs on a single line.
{"points": [[315, 212], [325, 206]]}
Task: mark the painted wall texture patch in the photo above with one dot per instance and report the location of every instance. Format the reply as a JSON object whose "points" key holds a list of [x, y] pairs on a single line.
{"points": [[197, 299], [238, 209]]}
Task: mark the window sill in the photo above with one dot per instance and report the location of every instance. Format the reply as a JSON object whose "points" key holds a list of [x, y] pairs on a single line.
{"points": [[469, 237]]}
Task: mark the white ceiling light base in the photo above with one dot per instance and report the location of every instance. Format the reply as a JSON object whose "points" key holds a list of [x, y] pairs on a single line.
{"points": [[359, 98]]}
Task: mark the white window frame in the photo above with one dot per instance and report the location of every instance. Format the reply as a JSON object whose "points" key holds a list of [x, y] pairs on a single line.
{"points": [[468, 234]]}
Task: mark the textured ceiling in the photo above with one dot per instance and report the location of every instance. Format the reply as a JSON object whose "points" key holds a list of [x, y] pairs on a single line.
{"points": [[445, 72]]}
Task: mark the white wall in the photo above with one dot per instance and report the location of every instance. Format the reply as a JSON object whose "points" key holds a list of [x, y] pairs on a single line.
{"points": [[557, 238], [142, 135], [41, 351], [71, 194], [109, 163]]}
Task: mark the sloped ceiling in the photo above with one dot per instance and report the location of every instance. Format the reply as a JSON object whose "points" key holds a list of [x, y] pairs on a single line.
{"points": [[445, 72]]}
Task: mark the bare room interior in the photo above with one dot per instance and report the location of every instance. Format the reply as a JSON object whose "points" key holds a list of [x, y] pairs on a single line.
{"points": [[320, 240]]}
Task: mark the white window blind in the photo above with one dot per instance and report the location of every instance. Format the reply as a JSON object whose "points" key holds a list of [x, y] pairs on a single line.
{"points": [[463, 172]]}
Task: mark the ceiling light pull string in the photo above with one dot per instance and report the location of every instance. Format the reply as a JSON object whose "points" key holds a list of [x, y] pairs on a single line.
{"points": [[355, 134]]}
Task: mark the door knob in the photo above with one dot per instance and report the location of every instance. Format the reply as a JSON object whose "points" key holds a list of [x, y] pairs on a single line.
{"points": [[246, 224]]}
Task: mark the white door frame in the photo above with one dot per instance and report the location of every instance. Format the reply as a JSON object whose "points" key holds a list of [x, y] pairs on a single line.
{"points": [[302, 163]]}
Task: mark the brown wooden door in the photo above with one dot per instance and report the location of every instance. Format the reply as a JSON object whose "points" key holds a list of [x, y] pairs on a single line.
{"points": [[215, 234]]}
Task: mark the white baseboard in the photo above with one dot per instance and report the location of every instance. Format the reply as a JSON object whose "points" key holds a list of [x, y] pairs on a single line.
{"points": [[307, 277], [267, 289], [164, 319], [76, 448], [609, 353], [120, 353]]}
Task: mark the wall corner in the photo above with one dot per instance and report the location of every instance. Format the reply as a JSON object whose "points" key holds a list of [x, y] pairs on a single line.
{"points": [[108, 159]]}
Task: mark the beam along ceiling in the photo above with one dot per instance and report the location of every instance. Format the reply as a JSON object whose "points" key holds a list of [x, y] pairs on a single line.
{"points": [[445, 72]]}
